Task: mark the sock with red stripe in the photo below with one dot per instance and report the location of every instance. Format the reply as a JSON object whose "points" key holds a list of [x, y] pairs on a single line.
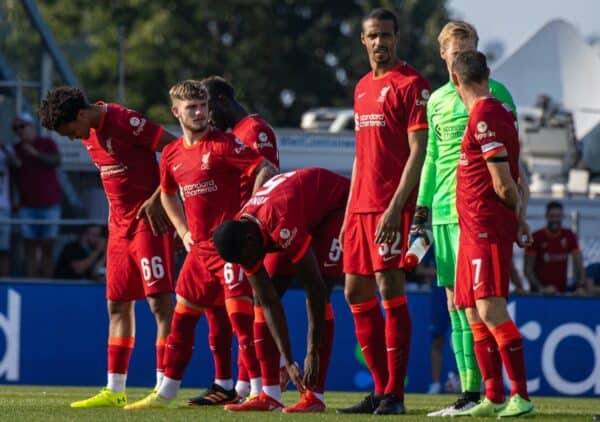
{"points": [[490, 362], [219, 340], [180, 343], [397, 340], [241, 315], [325, 349], [119, 354], [266, 350], [160, 355], [510, 343], [370, 333]]}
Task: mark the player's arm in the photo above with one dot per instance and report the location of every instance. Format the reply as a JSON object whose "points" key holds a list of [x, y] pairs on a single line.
{"points": [[308, 272], [152, 210], [48, 158], [529, 270], [389, 224], [174, 210], [276, 321], [263, 172], [502, 181], [427, 183]]}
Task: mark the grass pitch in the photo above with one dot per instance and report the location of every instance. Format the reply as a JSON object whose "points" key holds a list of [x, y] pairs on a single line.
{"points": [[18, 403]]}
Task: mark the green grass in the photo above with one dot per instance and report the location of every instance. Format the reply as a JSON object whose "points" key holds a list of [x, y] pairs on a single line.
{"points": [[18, 403]]}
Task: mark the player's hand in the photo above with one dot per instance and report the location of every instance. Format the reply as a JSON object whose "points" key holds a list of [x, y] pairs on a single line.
{"points": [[187, 241], [419, 221], [154, 213], [524, 238], [388, 226], [311, 370], [296, 376]]}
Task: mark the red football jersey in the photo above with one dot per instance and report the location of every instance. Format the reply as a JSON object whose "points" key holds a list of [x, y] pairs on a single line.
{"points": [[207, 175], [491, 128], [123, 149], [256, 133], [386, 108], [552, 252], [288, 207]]}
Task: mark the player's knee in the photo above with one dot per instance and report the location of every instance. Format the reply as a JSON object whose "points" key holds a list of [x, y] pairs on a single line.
{"points": [[162, 307], [118, 308]]}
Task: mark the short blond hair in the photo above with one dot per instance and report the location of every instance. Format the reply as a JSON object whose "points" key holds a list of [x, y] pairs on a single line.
{"points": [[188, 90], [457, 30]]}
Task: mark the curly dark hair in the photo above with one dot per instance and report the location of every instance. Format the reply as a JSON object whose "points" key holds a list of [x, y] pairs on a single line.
{"points": [[61, 106]]}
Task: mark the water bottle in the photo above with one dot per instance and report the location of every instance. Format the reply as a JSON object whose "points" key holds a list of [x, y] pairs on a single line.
{"points": [[418, 248]]}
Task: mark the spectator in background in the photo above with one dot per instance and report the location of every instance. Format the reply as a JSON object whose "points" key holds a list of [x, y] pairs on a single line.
{"points": [[39, 194], [592, 281], [546, 260], [80, 258], [8, 160]]}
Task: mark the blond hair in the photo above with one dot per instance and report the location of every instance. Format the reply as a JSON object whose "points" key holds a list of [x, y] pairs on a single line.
{"points": [[188, 90], [457, 30]]}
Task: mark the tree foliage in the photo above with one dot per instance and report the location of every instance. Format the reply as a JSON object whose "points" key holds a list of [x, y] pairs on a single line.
{"points": [[282, 56]]}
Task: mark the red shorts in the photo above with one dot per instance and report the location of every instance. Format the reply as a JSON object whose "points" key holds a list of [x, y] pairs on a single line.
{"points": [[206, 280], [325, 245], [482, 269], [138, 267], [362, 255]]}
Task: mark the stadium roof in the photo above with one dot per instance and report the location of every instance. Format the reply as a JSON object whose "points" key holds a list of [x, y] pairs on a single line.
{"points": [[557, 61]]}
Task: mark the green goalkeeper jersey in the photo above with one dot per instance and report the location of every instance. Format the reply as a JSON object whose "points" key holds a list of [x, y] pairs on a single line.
{"points": [[447, 118]]}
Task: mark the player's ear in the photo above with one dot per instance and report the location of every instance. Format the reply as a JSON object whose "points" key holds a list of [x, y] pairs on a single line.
{"points": [[455, 79], [362, 38], [175, 111]]}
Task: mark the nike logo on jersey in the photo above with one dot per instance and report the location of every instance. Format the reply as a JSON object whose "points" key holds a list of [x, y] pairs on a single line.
{"points": [[89, 147], [362, 94], [387, 258], [152, 283], [514, 349], [176, 166], [233, 286], [476, 286]]}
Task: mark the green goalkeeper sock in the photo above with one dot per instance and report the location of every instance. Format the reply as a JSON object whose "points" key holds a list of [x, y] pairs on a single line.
{"points": [[473, 377], [457, 346]]}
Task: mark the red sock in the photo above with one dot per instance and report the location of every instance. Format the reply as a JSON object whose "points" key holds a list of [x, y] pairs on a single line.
{"points": [[242, 371], [180, 343], [266, 349], [510, 342], [489, 360], [241, 315], [219, 340], [119, 353], [325, 348], [397, 340], [370, 333], [160, 353]]}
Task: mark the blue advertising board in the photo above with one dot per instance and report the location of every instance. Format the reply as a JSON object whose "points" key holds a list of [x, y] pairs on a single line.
{"points": [[55, 334]]}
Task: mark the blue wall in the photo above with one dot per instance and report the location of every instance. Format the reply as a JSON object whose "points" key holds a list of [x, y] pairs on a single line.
{"points": [[56, 334]]}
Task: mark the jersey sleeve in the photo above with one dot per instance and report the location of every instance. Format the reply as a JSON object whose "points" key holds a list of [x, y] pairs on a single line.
{"points": [[48, 146], [416, 95], [265, 142], [167, 181], [138, 129], [487, 130], [292, 238], [501, 93], [244, 159], [427, 183]]}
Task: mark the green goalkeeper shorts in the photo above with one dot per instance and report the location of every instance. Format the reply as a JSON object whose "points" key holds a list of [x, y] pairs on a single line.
{"points": [[445, 240]]}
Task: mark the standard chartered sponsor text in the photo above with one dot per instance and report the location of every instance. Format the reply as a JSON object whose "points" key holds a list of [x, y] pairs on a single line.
{"points": [[199, 188]]}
